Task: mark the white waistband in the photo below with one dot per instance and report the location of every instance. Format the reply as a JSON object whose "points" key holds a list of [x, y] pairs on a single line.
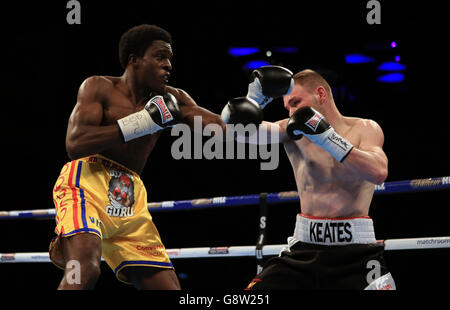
{"points": [[333, 231]]}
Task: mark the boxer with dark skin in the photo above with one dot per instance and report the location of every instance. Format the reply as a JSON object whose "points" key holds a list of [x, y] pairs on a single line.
{"points": [[121, 118], [93, 129]]}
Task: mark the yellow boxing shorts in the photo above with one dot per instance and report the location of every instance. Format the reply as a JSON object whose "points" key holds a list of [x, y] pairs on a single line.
{"points": [[99, 196]]}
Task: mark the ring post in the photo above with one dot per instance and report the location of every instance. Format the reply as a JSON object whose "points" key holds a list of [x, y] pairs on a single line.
{"points": [[262, 232]]}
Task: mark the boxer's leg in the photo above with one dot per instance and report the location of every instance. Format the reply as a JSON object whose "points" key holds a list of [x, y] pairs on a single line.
{"points": [[136, 253], [78, 225], [83, 250], [148, 278]]}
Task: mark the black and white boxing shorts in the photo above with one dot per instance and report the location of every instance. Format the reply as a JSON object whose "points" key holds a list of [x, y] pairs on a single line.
{"points": [[330, 254]]}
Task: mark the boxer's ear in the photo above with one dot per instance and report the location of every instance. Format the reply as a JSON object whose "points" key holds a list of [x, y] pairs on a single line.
{"points": [[321, 93], [133, 60]]}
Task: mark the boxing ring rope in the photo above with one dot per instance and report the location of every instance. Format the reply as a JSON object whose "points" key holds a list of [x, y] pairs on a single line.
{"points": [[416, 185], [242, 251]]}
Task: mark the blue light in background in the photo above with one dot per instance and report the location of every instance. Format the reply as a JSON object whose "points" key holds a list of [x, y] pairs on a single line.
{"points": [[255, 64], [242, 51], [286, 50], [183, 276], [391, 78], [397, 58], [393, 44], [391, 66], [358, 59]]}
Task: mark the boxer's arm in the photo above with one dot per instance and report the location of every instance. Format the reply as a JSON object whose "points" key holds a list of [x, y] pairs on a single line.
{"points": [[84, 135], [268, 132], [369, 160], [282, 130], [189, 109]]}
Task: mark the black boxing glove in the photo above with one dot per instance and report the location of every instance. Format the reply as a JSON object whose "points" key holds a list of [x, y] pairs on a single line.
{"points": [[159, 112], [242, 110], [307, 121], [269, 82]]}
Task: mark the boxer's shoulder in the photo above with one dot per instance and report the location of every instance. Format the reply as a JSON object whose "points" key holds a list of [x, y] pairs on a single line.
{"points": [[98, 86], [362, 125], [184, 99], [100, 81], [358, 122], [361, 129]]}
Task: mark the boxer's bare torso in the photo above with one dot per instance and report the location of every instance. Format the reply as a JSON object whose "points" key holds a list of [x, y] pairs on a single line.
{"points": [[102, 100], [112, 100], [328, 188]]}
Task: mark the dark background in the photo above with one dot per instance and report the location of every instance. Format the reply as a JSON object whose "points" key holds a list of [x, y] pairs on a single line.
{"points": [[45, 60]]}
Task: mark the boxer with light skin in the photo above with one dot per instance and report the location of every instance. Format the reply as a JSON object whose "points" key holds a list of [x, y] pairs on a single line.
{"points": [[337, 161], [347, 178]]}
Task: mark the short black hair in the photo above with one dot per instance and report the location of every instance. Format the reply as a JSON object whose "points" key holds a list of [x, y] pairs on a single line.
{"points": [[138, 38]]}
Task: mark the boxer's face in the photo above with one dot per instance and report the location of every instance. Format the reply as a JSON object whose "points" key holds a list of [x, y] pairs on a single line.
{"points": [[298, 98], [153, 68]]}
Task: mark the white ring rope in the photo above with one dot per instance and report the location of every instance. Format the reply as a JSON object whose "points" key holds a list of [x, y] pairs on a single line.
{"points": [[240, 251]]}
